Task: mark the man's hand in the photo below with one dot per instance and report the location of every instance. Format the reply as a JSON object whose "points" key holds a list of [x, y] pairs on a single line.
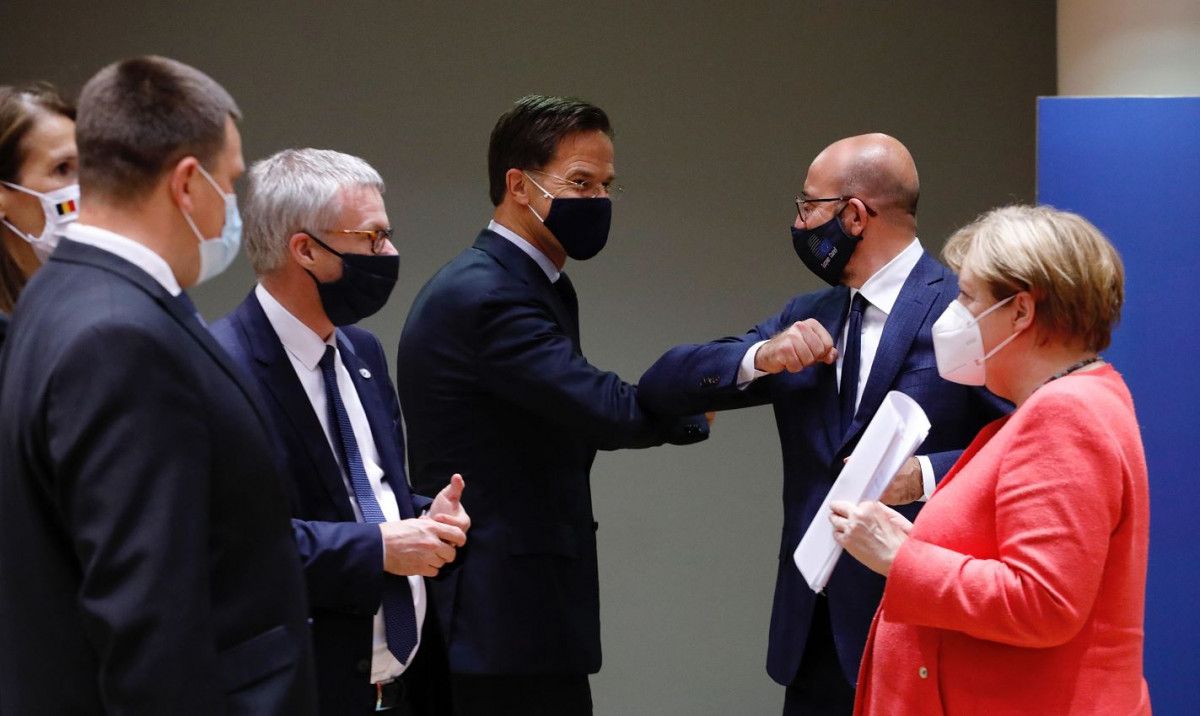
{"points": [[447, 506], [419, 546], [871, 532], [907, 486], [801, 345]]}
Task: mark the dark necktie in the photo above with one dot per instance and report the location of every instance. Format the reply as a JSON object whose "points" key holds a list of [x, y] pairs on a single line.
{"points": [[186, 300], [851, 358], [566, 291], [398, 614]]}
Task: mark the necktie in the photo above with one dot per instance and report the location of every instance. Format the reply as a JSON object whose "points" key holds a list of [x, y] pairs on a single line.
{"points": [[398, 614], [186, 300], [848, 390], [566, 291]]}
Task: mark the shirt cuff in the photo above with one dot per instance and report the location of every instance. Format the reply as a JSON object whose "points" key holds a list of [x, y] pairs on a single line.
{"points": [[927, 478], [747, 373]]}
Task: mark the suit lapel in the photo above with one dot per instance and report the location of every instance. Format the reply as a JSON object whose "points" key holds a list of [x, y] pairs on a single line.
{"points": [[99, 258], [382, 430], [518, 263], [830, 310], [921, 288], [274, 370]]}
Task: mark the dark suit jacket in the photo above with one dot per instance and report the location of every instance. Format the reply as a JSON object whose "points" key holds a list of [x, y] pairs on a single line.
{"points": [[146, 561], [704, 377], [495, 386], [343, 558]]}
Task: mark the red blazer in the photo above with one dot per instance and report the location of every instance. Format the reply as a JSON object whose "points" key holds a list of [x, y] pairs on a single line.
{"points": [[1022, 587]]}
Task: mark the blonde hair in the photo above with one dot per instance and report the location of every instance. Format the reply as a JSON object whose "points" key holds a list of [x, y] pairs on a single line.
{"points": [[1073, 272]]}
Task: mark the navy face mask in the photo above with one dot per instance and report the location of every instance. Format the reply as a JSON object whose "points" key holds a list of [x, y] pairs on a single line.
{"points": [[366, 283], [826, 249], [580, 225]]}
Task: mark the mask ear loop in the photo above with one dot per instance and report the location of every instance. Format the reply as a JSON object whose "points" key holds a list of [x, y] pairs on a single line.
{"points": [[545, 193], [1002, 343], [31, 240]]}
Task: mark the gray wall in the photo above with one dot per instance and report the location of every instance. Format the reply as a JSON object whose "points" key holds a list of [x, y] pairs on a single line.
{"points": [[719, 107]]}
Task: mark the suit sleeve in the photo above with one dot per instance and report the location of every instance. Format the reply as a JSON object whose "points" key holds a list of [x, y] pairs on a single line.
{"points": [[528, 360], [131, 452], [700, 377], [986, 408], [1057, 501], [343, 564]]}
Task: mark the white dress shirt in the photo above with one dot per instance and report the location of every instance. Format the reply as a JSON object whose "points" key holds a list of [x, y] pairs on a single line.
{"points": [[542, 260], [305, 349], [881, 291], [137, 254]]}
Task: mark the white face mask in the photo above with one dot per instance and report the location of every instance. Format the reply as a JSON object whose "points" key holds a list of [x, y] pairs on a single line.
{"points": [[60, 206], [958, 344], [217, 253]]}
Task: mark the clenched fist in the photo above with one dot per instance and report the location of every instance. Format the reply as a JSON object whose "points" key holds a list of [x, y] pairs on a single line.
{"points": [[801, 345]]}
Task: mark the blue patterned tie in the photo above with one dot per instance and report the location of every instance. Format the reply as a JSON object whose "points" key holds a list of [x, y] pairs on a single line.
{"points": [[398, 615], [848, 389]]}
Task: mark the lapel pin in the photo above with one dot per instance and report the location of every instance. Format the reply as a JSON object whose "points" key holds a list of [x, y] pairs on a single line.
{"points": [[364, 373]]}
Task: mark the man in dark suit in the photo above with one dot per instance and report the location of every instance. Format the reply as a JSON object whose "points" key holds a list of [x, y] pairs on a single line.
{"points": [[856, 229], [318, 236], [494, 383], [146, 561]]}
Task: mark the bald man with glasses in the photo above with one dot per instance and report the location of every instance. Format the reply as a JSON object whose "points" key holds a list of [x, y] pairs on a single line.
{"points": [[825, 363]]}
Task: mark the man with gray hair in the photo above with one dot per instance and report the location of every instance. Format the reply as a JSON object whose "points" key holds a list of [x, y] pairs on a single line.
{"points": [[146, 565], [319, 239]]}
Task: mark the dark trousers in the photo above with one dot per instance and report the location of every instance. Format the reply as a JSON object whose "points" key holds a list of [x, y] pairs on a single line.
{"points": [[427, 679], [820, 687], [518, 695]]}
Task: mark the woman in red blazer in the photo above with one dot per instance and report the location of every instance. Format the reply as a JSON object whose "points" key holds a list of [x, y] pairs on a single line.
{"points": [[1020, 589]]}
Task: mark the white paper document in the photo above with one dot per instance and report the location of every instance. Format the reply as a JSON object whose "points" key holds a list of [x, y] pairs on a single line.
{"points": [[893, 436]]}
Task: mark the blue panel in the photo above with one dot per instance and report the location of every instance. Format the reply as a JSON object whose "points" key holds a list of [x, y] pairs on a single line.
{"points": [[1132, 166]]}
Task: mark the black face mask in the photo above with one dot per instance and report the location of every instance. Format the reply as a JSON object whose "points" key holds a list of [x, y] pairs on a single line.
{"points": [[580, 225], [366, 283], [826, 249]]}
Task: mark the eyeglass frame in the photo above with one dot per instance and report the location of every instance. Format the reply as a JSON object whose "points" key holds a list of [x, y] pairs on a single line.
{"points": [[610, 191], [801, 202], [379, 238]]}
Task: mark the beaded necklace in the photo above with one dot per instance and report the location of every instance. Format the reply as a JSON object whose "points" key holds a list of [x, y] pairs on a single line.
{"points": [[1081, 364]]}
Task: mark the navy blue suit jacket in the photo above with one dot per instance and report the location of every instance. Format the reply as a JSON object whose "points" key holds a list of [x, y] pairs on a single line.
{"points": [[342, 558], [495, 386], [146, 561], [704, 377]]}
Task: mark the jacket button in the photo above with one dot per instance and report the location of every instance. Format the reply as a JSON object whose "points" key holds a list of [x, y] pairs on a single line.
{"points": [[923, 672], [363, 666]]}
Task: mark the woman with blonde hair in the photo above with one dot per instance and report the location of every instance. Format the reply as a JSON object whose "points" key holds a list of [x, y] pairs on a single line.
{"points": [[1020, 588]]}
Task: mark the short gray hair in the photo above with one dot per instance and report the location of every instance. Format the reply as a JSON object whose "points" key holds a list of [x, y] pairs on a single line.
{"points": [[297, 190]]}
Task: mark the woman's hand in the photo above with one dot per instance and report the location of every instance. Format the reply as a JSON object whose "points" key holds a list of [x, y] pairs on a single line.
{"points": [[871, 532]]}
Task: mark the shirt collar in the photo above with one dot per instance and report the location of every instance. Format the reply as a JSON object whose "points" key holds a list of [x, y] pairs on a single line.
{"points": [[542, 260], [883, 288], [299, 340], [124, 247]]}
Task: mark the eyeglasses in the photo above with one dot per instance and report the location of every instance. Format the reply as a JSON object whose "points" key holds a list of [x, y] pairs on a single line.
{"points": [[588, 189], [803, 210], [379, 238]]}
